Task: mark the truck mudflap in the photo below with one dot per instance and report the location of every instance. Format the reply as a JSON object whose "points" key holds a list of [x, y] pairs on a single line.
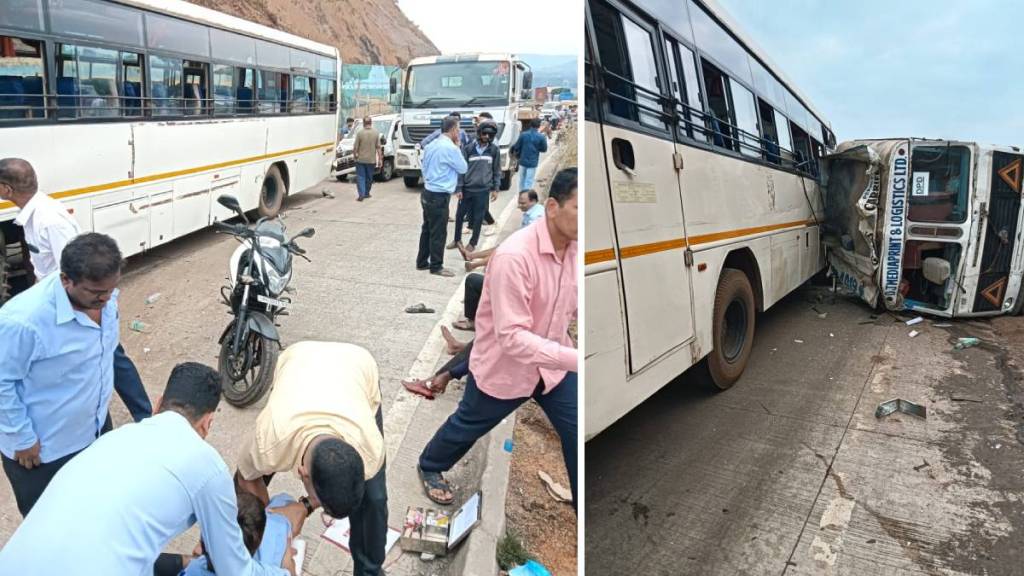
{"points": [[865, 188]]}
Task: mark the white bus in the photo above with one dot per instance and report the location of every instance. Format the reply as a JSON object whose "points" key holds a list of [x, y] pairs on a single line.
{"points": [[138, 114], [702, 197], [436, 86], [930, 226]]}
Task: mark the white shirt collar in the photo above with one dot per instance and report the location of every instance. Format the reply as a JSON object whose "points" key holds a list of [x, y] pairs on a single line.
{"points": [[28, 210]]}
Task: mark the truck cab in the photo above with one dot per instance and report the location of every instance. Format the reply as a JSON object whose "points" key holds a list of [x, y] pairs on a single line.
{"points": [[436, 86]]}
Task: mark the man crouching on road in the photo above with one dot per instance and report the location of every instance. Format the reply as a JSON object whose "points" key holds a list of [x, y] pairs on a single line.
{"points": [[323, 418]]}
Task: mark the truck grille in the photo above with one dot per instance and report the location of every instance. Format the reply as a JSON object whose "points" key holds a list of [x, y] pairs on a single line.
{"points": [[416, 134]]}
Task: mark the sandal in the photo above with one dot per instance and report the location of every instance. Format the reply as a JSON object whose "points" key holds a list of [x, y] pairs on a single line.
{"points": [[434, 481], [418, 387], [464, 324]]}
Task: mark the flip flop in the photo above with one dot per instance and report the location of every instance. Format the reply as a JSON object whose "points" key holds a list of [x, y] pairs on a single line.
{"points": [[418, 387], [420, 308], [434, 481], [464, 252], [463, 325]]}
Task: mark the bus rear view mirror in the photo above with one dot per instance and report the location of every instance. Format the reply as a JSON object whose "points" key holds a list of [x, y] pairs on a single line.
{"points": [[393, 85]]}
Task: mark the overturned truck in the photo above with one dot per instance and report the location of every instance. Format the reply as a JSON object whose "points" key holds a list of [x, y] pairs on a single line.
{"points": [[932, 226]]}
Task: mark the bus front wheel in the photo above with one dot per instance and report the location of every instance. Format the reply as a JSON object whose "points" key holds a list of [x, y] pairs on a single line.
{"points": [[732, 327], [272, 193]]}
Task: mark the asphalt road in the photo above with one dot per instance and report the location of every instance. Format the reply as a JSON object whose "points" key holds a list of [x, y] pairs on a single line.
{"points": [[790, 473]]}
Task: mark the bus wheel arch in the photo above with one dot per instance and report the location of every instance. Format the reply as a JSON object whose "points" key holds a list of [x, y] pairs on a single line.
{"points": [[273, 190], [737, 301]]}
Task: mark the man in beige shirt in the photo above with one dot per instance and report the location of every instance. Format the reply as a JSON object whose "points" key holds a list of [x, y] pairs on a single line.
{"points": [[323, 419], [369, 152]]}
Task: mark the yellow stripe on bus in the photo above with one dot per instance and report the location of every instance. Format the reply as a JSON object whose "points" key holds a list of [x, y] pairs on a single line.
{"points": [[607, 254], [176, 173]]}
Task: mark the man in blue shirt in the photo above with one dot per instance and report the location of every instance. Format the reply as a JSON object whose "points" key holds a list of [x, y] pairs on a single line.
{"points": [[528, 148], [463, 140], [116, 505], [443, 162], [57, 365], [532, 209]]}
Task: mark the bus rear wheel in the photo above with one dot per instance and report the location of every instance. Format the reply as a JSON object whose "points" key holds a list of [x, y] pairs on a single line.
{"points": [[732, 328], [272, 193]]}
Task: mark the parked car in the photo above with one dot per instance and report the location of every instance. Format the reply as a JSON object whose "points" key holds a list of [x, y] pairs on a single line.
{"points": [[345, 161]]}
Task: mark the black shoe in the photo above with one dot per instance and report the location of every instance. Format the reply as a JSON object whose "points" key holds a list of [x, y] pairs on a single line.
{"points": [[423, 267], [444, 272]]}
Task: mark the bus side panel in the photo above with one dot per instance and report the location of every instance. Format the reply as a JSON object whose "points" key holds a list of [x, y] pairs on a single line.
{"points": [[305, 167]]}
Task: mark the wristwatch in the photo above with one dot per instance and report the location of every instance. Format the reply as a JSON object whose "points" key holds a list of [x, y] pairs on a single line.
{"points": [[309, 506]]}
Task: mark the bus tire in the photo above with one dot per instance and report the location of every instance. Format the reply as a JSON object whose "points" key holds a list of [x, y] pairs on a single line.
{"points": [[411, 181], [506, 180], [732, 328], [272, 193]]}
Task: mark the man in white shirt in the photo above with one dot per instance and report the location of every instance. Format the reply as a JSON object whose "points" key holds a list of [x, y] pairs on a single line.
{"points": [[48, 229]]}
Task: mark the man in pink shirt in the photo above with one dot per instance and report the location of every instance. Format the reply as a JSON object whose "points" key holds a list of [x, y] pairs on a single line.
{"points": [[522, 348]]}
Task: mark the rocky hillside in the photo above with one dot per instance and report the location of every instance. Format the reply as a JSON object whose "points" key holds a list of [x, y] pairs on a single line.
{"points": [[365, 31]]}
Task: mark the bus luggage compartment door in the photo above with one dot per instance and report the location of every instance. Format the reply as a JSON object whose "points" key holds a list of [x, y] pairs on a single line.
{"points": [[648, 215], [1000, 232]]}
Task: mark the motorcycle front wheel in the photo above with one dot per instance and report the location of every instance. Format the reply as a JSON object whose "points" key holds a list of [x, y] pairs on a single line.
{"points": [[247, 377]]}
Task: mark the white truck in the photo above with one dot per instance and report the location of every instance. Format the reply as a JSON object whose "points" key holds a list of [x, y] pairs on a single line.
{"points": [[436, 86]]}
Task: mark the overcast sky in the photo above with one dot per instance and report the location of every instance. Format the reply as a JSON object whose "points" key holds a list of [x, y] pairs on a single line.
{"points": [[877, 68], [519, 26]]}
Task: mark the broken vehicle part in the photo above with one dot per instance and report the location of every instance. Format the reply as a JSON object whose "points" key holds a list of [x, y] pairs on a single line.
{"points": [[900, 405]]}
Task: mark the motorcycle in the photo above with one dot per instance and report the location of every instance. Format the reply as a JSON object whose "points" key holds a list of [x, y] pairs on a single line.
{"points": [[260, 270]]}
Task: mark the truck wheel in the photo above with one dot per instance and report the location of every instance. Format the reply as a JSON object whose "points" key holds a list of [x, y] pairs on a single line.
{"points": [[342, 177], [272, 193], [387, 170], [506, 180], [411, 181], [732, 328]]}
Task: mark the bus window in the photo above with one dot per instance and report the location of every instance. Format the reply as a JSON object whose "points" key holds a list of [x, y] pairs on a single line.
{"points": [[195, 87], [685, 87], [720, 116], [245, 89], [785, 138], [939, 183], [801, 149], [94, 19], [273, 92], [21, 79], [131, 84], [224, 89], [630, 71], [324, 95], [302, 94], [770, 132], [165, 86], [87, 77], [746, 120]]}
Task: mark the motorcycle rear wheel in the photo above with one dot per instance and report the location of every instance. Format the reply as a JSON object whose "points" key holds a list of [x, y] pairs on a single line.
{"points": [[246, 379]]}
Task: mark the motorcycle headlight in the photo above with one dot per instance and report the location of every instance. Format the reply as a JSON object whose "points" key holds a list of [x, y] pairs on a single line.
{"points": [[276, 283]]}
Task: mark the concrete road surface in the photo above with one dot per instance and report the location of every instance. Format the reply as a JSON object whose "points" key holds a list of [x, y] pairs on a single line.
{"points": [[790, 472]]}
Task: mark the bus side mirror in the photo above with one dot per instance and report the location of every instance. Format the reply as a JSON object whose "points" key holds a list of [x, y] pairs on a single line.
{"points": [[528, 80], [393, 85]]}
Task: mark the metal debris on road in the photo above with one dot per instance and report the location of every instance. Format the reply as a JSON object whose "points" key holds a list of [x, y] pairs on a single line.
{"points": [[327, 194], [943, 325], [964, 399], [820, 314], [913, 333], [913, 321], [920, 467], [420, 308], [962, 343], [900, 405], [555, 490], [152, 298], [798, 341]]}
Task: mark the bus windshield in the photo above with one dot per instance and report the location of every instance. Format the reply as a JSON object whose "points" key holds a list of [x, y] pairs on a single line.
{"points": [[457, 84], [939, 185]]}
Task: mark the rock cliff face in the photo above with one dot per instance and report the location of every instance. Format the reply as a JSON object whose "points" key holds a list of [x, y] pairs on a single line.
{"points": [[365, 31]]}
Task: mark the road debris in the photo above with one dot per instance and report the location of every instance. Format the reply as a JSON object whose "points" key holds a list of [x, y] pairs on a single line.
{"points": [[820, 314], [420, 308], [138, 326], [152, 298], [327, 194], [943, 325], [900, 405], [920, 467], [962, 343], [913, 321], [557, 491], [913, 333], [798, 341], [965, 399]]}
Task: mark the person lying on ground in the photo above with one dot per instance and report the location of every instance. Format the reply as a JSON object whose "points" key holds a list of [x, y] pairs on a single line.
{"points": [[116, 505], [267, 533]]}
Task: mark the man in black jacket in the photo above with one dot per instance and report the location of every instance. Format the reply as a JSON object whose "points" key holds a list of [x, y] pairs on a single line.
{"points": [[480, 182]]}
